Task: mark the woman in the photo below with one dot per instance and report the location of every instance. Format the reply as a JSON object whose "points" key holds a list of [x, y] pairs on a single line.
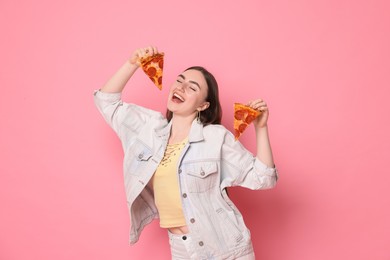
{"points": [[177, 169]]}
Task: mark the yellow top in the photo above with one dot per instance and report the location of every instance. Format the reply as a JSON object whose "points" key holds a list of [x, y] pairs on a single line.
{"points": [[166, 188]]}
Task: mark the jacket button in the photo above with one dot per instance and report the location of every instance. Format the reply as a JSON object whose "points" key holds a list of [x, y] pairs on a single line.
{"points": [[202, 173], [192, 220], [140, 156], [184, 195], [201, 243], [179, 170], [184, 237]]}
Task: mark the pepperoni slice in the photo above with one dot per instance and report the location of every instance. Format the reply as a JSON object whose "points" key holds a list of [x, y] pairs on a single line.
{"points": [[153, 80], [236, 133], [249, 119], [160, 80], [242, 127], [161, 63], [239, 114], [151, 72]]}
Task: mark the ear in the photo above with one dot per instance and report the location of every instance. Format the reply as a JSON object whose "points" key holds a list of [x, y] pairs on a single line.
{"points": [[204, 106]]}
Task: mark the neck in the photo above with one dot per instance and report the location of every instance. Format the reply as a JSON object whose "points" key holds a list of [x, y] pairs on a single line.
{"points": [[180, 128]]}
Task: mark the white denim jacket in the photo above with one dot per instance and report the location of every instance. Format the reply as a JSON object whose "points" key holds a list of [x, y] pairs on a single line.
{"points": [[211, 161]]}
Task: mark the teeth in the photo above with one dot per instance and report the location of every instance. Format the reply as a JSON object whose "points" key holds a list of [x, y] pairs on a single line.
{"points": [[179, 97]]}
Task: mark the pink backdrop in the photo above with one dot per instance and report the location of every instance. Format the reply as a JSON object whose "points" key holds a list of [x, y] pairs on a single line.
{"points": [[323, 66]]}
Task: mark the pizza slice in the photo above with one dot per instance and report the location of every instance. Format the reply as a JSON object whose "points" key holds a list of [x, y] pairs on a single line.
{"points": [[243, 116], [153, 67]]}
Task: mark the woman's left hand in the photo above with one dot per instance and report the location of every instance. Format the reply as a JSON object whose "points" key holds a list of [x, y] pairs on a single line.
{"points": [[260, 105]]}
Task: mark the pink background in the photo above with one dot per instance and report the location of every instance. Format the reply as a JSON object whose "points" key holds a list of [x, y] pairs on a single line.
{"points": [[322, 66]]}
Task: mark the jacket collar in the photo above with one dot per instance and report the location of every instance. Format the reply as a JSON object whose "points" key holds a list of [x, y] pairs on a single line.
{"points": [[196, 132], [195, 135]]}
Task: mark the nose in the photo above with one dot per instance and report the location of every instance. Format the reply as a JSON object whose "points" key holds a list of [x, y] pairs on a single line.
{"points": [[181, 86]]}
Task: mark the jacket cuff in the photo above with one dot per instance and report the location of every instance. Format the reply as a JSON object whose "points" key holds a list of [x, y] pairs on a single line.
{"points": [[267, 170], [105, 96]]}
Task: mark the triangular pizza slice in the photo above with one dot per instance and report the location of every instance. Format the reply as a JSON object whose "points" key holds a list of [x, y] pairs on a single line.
{"points": [[243, 116], [153, 67]]}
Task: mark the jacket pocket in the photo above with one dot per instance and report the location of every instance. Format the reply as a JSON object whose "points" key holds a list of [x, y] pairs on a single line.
{"points": [[136, 158], [202, 176], [230, 232]]}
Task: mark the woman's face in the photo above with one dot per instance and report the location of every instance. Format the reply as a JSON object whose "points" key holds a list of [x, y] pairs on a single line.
{"points": [[188, 94]]}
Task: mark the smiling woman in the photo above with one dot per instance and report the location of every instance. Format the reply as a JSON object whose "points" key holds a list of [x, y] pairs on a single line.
{"points": [[213, 113], [178, 168]]}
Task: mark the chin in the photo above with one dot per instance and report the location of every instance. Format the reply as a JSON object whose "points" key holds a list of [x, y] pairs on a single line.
{"points": [[171, 107]]}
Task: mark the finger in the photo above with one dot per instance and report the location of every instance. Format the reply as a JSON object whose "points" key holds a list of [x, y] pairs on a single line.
{"points": [[250, 103], [263, 109], [260, 104], [149, 50], [142, 52], [258, 101], [255, 104], [155, 51]]}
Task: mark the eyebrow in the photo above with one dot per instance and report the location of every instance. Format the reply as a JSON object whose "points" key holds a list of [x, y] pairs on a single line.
{"points": [[191, 81]]}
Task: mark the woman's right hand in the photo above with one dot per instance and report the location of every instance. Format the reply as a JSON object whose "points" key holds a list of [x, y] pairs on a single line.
{"points": [[118, 81], [142, 53]]}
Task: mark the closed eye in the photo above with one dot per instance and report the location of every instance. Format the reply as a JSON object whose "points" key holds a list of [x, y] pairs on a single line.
{"points": [[194, 87], [180, 77]]}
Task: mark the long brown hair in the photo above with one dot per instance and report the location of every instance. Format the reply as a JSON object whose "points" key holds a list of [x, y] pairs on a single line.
{"points": [[213, 114]]}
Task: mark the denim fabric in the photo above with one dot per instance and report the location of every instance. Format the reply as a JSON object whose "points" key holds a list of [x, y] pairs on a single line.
{"points": [[181, 249], [211, 161]]}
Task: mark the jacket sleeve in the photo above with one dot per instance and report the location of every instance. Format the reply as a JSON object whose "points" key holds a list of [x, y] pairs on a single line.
{"points": [[124, 118], [239, 167]]}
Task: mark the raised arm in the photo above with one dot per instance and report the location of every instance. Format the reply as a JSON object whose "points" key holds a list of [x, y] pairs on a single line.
{"points": [[264, 151], [118, 81]]}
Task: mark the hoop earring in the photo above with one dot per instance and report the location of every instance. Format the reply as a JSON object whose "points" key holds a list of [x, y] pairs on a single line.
{"points": [[198, 118]]}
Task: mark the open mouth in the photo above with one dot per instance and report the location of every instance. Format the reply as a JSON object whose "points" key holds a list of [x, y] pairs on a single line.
{"points": [[177, 98]]}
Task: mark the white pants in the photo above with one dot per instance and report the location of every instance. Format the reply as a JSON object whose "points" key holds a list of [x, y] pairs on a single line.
{"points": [[181, 248]]}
